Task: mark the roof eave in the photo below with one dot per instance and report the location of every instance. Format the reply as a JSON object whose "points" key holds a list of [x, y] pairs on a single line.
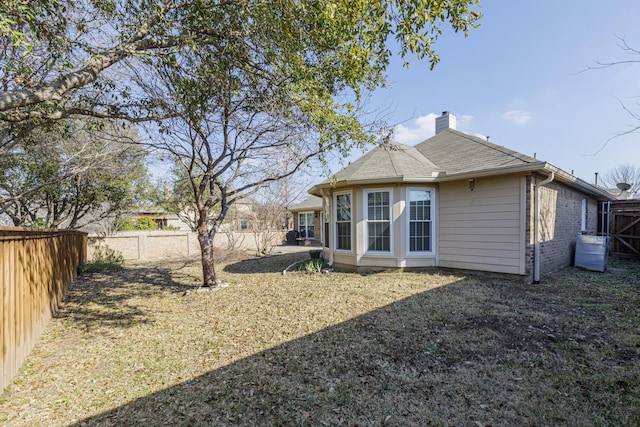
{"points": [[529, 167], [577, 183], [316, 190], [541, 166]]}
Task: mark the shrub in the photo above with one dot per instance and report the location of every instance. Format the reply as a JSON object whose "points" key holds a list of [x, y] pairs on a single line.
{"points": [[104, 259], [314, 265], [124, 224], [315, 253], [39, 224], [146, 223], [128, 224]]}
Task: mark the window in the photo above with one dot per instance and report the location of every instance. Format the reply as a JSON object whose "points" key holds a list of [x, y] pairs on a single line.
{"points": [[305, 225], [583, 215], [420, 222], [343, 222], [378, 221], [244, 225]]}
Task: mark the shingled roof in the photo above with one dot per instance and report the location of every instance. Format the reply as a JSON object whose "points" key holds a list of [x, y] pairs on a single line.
{"points": [[311, 203], [386, 163], [449, 155], [458, 152]]}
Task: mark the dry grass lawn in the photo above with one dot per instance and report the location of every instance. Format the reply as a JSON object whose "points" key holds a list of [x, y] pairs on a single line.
{"points": [[143, 347]]}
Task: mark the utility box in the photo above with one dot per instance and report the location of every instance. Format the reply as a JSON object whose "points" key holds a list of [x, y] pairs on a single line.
{"points": [[592, 252]]}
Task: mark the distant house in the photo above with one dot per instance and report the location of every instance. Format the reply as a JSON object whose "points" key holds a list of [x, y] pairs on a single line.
{"points": [[306, 219], [244, 215], [455, 200]]}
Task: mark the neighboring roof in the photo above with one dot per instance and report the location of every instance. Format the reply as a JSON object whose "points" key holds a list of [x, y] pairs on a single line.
{"points": [[622, 195], [312, 203], [449, 155]]}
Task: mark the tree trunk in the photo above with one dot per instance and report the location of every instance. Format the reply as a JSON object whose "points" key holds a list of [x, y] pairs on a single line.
{"points": [[208, 269]]}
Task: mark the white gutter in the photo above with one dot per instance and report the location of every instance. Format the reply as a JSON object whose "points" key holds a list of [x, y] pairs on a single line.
{"points": [[536, 228]]}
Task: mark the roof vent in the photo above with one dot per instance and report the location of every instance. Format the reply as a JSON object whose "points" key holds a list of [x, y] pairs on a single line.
{"points": [[444, 122]]}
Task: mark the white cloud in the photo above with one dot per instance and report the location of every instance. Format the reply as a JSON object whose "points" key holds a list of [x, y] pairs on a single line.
{"points": [[420, 129], [424, 127], [464, 121], [518, 117]]}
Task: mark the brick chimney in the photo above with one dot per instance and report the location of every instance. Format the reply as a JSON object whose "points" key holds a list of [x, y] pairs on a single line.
{"points": [[444, 122]]}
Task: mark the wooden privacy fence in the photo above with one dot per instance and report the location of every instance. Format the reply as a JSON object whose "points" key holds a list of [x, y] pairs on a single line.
{"points": [[624, 223], [36, 268]]}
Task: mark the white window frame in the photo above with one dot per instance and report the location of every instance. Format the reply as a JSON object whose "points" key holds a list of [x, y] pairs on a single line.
{"points": [[313, 224], [432, 208], [335, 222], [365, 205]]}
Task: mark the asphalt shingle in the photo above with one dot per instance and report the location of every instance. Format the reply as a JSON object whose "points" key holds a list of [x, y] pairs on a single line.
{"points": [[389, 161], [458, 152]]}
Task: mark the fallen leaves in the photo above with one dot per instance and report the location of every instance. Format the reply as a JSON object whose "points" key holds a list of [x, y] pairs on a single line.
{"points": [[418, 348]]}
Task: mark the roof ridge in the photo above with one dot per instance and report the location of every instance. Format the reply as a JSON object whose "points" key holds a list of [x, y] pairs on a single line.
{"points": [[391, 147], [496, 147]]}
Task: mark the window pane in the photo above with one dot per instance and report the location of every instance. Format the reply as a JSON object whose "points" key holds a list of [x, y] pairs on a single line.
{"points": [[419, 236], [344, 236], [378, 208], [379, 236], [419, 205], [343, 207]]}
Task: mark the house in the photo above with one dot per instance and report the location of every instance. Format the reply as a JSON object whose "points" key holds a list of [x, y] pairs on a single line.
{"points": [[245, 215], [459, 201], [306, 219]]}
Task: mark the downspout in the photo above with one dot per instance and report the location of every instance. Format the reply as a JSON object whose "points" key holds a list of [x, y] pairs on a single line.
{"points": [[536, 228]]}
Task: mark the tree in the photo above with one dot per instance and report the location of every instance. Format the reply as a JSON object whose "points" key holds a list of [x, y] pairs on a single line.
{"points": [[635, 54], [71, 174], [284, 193], [63, 58], [249, 92], [256, 106], [624, 173]]}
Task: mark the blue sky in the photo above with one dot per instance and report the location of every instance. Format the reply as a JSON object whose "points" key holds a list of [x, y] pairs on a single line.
{"points": [[519, 79]]}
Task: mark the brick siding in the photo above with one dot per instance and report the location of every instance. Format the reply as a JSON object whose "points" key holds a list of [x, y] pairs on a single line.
{"points": [[560, 223]]}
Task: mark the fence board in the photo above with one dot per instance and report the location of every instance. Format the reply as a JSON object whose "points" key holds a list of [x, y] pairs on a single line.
{"points": [[36, 269], [624, 223]]}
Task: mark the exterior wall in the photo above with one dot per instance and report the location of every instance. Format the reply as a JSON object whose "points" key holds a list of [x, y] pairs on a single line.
{"points": [[483, 229], [560, 223]]}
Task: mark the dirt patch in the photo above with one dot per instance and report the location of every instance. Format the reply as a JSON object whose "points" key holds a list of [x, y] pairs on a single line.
{"points": [[388, 348]]}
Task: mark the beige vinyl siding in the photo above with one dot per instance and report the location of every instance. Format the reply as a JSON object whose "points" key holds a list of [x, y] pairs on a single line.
{"points": [[342, 258], [482, 229]]}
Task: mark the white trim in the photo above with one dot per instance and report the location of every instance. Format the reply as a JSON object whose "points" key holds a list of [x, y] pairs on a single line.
{"points": [[313, 223], [365, 216], [432, 215], [334, 245]]}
